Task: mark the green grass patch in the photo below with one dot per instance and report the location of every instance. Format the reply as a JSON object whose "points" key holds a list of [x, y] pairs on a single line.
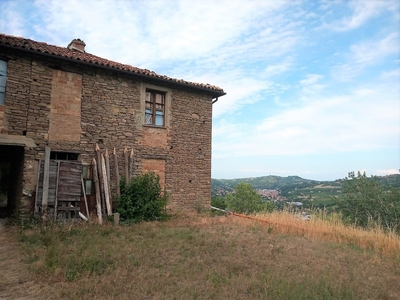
{"points": [[201, 258]]}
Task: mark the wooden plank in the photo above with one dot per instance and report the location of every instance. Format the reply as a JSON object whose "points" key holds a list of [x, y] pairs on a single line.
{"points": [[130, 165], [97, 188], [37, 188], [70, 181], [52, 183], [69, 208], [107, 160], [101, 180], [55, 202], [106, 193], [64, 187], [117, 172], [84, 196], [127, 179], [45, 195]]}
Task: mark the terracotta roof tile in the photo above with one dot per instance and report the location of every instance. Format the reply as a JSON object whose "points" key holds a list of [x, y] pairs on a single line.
{"points": [[40, 47]]}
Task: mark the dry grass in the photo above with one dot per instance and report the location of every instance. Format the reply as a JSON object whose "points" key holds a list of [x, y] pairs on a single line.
{"points": [[329, 227], [204, 257]]}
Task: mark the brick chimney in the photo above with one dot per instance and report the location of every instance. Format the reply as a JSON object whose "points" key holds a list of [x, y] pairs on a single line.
{"points": [[77, 44]]}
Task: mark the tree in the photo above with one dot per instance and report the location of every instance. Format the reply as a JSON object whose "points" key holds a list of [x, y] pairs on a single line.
{"points": [[218, 201], [366, 202], [246, 200]]}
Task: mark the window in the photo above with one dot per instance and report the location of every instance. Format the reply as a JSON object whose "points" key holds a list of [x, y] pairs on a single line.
{"points": [[155, 108], [87, 179], [3, 79], [63, 155]]}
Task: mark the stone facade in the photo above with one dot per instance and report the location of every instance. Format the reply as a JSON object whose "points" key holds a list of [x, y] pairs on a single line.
{"points": [[70, 106]]}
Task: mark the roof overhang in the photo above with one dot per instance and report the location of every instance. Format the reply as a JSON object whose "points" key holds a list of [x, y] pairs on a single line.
{"points": [[211, 92]]}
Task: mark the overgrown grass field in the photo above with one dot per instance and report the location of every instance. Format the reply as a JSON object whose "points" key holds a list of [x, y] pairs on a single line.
{"points": [[214, 257]]}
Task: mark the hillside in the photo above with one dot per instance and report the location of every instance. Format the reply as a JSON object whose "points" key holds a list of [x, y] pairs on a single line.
{"points": [[200, 257], [294, 188]]}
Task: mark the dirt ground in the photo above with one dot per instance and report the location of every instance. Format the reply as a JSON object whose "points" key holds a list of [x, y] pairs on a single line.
{"points": [[15, 280]]}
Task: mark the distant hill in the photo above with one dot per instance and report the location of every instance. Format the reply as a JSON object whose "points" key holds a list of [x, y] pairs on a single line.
{"points": [[270, 182], [278, 182], [294, 188], [390, 180]]}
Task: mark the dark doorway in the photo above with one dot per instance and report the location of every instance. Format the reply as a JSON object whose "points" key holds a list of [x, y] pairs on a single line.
{"points": [[11, 168]]}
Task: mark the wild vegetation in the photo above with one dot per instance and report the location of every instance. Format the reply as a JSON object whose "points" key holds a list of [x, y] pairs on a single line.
{"points": [[142, 199], [359, 200], [262, 255], [366, 203], [246, 200], [212, 257]]}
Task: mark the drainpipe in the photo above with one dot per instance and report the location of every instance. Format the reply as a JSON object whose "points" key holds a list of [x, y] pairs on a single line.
{"points": [[216, 99]]}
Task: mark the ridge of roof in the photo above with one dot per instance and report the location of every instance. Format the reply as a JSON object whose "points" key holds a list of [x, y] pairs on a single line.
{"points": [[78, 56]]}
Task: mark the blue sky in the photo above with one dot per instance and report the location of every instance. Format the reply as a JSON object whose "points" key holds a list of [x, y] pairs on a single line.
{"points": [[313, 87]]}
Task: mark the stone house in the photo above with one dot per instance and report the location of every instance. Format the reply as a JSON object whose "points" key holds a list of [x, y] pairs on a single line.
{"points": [[57, 103]]}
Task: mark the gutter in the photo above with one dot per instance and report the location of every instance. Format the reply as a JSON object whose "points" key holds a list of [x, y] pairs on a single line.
{"points": [[169, 81]]}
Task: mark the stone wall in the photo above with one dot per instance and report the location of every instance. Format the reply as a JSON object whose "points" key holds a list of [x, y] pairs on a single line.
{"points": [[65, 108], [157, 166], [111, 115]]}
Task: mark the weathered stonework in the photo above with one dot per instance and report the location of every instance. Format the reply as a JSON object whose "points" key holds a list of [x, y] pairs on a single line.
{"points": [[71, 107], [65, 108], [157, 166]]}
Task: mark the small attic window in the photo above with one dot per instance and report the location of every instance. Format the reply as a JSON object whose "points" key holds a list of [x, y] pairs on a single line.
{"points": [[63, 155]]}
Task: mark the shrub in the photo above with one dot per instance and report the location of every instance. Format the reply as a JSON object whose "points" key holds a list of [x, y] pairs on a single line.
{"points": [[246, 200], [142, 199], [366, 202], [219, 202]]}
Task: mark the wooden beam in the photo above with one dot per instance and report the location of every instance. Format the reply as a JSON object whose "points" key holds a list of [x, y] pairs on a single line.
{"points": [[105, 181], [126, 166], [84, 196], [117, 172], [97, 188], [37, 188], [56, 200], [101, 178], [107, 159], [130, 164], [46, 180]]}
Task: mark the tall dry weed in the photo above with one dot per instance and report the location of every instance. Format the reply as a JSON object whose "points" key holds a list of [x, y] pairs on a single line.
{"points": [[329, 227]]}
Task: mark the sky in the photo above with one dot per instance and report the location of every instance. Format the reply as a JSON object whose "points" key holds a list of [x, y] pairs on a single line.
{"points": [[313, 87]]}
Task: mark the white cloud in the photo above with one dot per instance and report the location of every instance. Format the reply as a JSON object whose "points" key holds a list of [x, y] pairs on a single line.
{"points": [[343, 123], [366, 54], [391, 74], [311, 79], [387, 172], [362, 11], [310, 85], [272, 70], [144, 33], [11, 18], [372, 51]]}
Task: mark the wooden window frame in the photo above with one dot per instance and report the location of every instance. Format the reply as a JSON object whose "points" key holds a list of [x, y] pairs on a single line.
{"points": [[3, 88], [155, 104], [87, 176]]}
